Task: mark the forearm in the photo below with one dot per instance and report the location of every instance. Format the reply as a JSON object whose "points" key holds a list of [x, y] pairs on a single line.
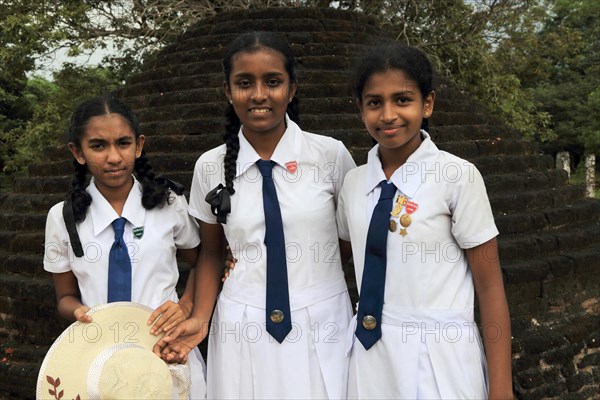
{"points": [[207, 279], [187, 298], [496, 330], [67, 306]]}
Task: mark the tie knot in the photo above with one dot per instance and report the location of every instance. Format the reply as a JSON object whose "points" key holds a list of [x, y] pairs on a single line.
{"points": [[266, 168], [119, 226], [388, 190]]}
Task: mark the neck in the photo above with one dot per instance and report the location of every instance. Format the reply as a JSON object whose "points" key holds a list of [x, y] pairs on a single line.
{"points": [[116, 197], [263, 143], [392, 159]]}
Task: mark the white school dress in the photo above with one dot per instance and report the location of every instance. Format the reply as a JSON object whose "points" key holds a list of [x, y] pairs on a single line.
{"points": [[160, 232], [244, 361], [430, 346]]}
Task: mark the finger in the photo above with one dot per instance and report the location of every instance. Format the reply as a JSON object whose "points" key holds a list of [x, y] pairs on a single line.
{"points": [[173, 324], [156, 314]]}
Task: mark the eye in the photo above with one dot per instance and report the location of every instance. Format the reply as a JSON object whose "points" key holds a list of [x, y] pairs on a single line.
{"points": [[125, 142], [373, 103], [96, 145], [273, 82], [403, 100], [243, 84]]}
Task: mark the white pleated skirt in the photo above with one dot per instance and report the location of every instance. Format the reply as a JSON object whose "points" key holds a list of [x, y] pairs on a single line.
{"points": [[245, 362], [423, 354]]}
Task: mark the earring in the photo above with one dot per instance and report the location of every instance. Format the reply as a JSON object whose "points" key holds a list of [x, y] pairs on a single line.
{"points": [[426, 115], [230, 101], [290, 100]]}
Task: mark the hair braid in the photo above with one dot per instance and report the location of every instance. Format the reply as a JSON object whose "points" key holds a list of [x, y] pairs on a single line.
{"points": [[232, 142], [293, 110], [79, 197], [153, 193]]}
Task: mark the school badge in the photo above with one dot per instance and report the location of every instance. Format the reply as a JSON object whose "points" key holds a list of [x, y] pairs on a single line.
{"points": [[138, 232], [291, 166]]}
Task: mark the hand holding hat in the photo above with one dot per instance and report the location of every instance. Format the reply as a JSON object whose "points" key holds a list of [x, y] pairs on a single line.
{"points": [[110, 358]]}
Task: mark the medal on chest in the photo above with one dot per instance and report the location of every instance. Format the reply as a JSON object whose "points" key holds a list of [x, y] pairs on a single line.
{"points": [[402, 219]]}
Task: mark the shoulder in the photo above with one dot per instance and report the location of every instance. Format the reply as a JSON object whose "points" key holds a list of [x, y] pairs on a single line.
{"points": [[213, 155], [354, 178], [325, 145], [457, 169]]}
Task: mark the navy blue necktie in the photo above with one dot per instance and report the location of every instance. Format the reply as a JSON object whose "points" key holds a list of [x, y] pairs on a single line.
{"points": [[278, 315], [370, 306], [119, 266]]}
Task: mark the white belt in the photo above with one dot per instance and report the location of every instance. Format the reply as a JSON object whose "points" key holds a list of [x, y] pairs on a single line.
{"points": [[255, 296]]}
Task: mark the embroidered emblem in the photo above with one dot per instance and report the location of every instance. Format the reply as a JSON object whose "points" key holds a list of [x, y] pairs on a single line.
{"points": [[138, 232]]}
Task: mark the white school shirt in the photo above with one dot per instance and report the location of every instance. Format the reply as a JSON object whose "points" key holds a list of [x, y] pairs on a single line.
{"points": [[428, 282], [153, 255], [243, 361]]}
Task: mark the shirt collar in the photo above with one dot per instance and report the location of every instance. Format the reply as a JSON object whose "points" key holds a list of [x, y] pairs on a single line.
{"points": [[288, 148], [103, 214], [409, 176]]}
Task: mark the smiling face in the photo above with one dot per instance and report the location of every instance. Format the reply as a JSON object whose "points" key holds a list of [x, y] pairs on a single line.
{"points": [[109, 149], [260, 89], [392, 109]]}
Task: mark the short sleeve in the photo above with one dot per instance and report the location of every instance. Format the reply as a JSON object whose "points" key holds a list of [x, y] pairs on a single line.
{"points": [[56, 242], [186, 234], [207, 175], [344, 163], [472, 218], [341, 216]]}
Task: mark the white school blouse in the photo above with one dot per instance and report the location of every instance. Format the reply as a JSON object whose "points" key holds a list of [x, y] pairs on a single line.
{"points": [[430, 346], [243, 360], [153, 254]]}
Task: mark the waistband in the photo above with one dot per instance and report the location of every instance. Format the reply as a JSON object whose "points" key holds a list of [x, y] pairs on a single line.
{"points": [[255, 296]]}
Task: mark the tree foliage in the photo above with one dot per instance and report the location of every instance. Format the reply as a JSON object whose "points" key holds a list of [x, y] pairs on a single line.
{"points": [[533, 62]]}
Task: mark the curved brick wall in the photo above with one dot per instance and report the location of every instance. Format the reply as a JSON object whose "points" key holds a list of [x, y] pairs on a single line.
{"points": [[550, 234]]}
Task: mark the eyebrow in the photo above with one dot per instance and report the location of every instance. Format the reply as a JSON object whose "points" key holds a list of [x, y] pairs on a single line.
{"points": [[266, 75], [400, 93]]}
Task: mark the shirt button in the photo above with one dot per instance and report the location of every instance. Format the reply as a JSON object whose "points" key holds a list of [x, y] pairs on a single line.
{"points": [[369, 322], [277, 316]]}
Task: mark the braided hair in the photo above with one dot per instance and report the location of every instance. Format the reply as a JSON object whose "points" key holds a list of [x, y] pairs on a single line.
{"points": [[155, 192], [219, 197], [390, 56]]}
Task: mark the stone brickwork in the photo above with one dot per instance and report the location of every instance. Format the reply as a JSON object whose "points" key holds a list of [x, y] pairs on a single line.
{"points": [[550, 233]]}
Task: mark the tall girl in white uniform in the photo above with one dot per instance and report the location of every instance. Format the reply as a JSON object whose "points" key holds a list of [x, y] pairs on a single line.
{"points": [[439, 250], [105, 140], [244, 360]]}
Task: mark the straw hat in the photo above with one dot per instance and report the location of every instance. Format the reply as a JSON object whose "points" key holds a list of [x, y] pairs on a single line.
{"points": [[110, 358]]}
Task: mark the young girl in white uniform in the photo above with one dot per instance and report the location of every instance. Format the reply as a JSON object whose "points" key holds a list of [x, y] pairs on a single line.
{"points": [[105, 140], [244, 360], [440, 250]]}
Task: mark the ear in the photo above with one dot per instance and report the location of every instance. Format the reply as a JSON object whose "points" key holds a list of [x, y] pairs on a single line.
{"points": [[293, 89], [77, 153], [428, 104], [227, 91], [139, 146]]}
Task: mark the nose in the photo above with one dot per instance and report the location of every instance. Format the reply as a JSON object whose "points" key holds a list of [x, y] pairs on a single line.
{"points": [[388, 114], [260, 92], [114, 155]]}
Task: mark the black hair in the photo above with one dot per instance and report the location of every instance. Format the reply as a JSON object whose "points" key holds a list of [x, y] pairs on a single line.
{"points": [[389, 56], [219, 198], [153, 194]]}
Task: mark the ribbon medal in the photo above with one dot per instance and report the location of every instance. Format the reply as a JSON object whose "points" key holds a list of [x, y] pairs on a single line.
{"points": [[406, 219]]}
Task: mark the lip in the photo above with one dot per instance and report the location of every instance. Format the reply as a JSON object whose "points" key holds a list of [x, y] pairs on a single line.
{"points": [[390, 130], [115, 172]]}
